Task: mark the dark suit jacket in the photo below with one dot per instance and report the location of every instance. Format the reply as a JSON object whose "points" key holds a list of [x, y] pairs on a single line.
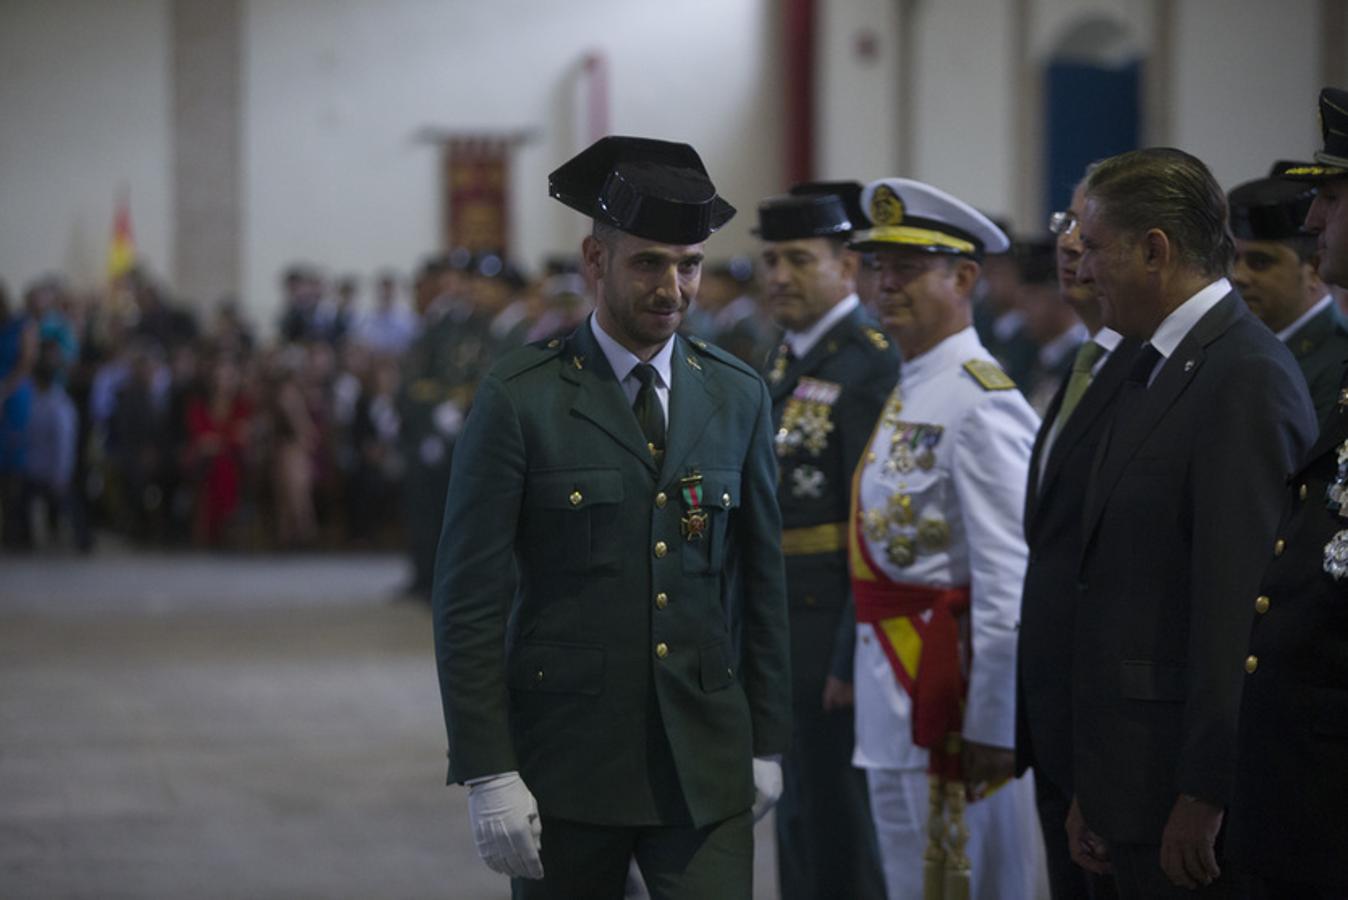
{"points": [[1289, 820], [1179, 520], [1321, 349], [816, 489], [1053, 513], [616, 688]]}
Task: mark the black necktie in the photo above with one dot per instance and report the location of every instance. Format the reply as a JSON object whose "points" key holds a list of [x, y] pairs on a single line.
{"points": [[650, 415], [1144, 365]]}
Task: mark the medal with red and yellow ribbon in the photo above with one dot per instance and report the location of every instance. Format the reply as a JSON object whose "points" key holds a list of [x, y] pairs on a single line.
{"points": [[694, 522]]}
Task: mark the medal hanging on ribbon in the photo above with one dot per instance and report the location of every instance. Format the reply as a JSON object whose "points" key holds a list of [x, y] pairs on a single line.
{"points": [[694, 521], [1338, 488]]}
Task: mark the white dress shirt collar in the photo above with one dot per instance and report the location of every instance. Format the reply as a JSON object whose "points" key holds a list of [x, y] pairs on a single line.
{"points": [[1316, 308], [623, 361], [1184, 317], [802, 342]]}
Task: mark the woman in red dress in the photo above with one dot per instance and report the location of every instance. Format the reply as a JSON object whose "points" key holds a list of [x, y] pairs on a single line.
{"points": [[218, 423]]}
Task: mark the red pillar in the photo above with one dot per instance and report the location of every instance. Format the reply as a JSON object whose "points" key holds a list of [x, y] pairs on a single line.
{"points": [[798, 60]]}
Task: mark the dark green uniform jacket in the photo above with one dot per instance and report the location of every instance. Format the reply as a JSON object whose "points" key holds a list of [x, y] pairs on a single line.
{"points": [[1321, 349], [1289, 820], [629, 672], [824, 407]]}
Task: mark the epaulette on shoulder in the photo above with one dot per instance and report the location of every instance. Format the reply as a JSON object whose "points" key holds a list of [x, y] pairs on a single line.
{"points": [[712, 351], [874, 338], [989, 375], [530, 356]]}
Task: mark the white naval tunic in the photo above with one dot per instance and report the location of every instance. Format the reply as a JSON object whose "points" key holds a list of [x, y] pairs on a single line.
{"points": [[948, 450]]}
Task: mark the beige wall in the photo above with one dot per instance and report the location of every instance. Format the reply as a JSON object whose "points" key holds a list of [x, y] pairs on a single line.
{"points": [[334, 92], [85, 107], [337, 90]]}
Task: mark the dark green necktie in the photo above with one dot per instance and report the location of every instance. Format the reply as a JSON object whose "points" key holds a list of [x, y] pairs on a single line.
{"points": [[1082, 366], [650, 415]]}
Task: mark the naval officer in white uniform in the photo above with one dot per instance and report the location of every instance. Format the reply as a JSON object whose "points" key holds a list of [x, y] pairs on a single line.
{"points": [[937, 558]]}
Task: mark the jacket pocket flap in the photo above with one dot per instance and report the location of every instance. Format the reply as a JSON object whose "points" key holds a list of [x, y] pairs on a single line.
{"points": [[717, 670], [558, 668], [575, 488], [1142, 679], [721, 488]]}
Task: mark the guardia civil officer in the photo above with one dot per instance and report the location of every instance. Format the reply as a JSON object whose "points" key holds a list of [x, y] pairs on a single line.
{"points": [[937, 561], [1275, 271], [1288, 821], [829, 380], [606, 706]]}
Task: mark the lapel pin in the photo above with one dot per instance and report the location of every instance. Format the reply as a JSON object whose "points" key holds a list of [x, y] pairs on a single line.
{"points": [[692, 361], [1188, 365], [578, 362]]}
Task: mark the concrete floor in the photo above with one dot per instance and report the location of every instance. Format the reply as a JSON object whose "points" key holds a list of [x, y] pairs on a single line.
{"points": [[228, 726]]}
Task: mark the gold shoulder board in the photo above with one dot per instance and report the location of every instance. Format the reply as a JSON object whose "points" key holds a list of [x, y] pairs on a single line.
{"points": [[989, 375]]}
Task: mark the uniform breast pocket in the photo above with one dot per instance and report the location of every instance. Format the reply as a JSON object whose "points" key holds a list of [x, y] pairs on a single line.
{"points": [[573, 520], [707, 520]]}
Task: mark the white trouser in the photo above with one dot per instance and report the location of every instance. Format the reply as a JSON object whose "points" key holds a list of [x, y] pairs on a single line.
{"points": [[1005, 849]]}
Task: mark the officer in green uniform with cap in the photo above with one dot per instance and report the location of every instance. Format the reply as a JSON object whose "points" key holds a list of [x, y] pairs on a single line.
{"points": [[439, 374], [1275, 271], [829, 380], [1288, 826], [628, 695]]}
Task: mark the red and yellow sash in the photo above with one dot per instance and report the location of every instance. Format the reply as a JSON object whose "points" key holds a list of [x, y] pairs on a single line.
{"points": [[925, 655]]}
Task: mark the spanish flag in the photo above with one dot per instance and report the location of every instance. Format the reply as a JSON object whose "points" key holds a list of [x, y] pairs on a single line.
{"points": [[122, 247]]}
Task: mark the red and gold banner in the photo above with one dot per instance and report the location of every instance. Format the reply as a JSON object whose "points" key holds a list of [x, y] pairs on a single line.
{"points": [[477, 199]]}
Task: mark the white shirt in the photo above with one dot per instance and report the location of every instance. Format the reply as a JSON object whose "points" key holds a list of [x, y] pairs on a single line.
{"points": [[622, 361], [974, 483], [1183, 318], [802, 342], [1286, 334]]}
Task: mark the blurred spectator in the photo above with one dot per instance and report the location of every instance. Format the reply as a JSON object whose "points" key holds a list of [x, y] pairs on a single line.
{"points": [[136, 441], [390, 327], [499, 294], [1049, 322], [44, 302], [155, 319], [219, 420], [53, 432], [229, 332], [566, 304], [376, 476], [727, 314], [997, 319], [342, 322], [18, 354], [295, 441]]}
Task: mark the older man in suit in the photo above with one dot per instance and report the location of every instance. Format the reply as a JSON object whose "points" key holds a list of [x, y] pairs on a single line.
{"points": [[1181, 509], [609, 606], [1060, 467], [1288, 821]]}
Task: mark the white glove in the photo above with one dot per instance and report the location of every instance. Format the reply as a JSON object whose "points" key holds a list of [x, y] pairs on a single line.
{"points": [[767, 785], [506, 826]]}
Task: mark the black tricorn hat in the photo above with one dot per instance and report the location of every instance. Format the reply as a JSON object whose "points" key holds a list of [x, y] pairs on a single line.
{"points": [[792, 218], [1269, 209], [849, 192], [658, 190], [1331, 161]]}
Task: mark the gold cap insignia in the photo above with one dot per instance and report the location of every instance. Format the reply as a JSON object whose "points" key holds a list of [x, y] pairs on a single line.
{"points": [[886, 207]]}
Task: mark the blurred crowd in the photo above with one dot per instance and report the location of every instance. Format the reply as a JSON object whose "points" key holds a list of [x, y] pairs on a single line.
{"points": [[127, 412]]}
